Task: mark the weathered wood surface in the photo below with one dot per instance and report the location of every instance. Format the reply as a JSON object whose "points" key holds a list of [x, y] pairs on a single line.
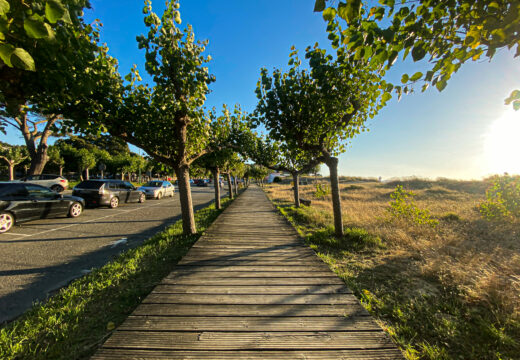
{"points": [[250, 289]]}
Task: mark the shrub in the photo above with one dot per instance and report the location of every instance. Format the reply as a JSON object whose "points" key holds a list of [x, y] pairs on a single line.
{"points": [[503, 199], [451, 217], [322, 190], [277, 180], [403, 207]]}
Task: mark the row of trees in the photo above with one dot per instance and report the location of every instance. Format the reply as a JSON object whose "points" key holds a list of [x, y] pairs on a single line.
{"points": [[310, 112]]}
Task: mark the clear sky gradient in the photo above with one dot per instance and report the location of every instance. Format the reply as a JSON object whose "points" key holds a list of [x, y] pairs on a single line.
{"points": [[464, 132]]}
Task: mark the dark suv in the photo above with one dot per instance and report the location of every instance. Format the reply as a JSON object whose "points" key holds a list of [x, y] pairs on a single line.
{"points": [[105, 192]]}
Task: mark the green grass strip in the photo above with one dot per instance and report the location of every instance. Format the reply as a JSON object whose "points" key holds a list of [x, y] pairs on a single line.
{"points": [[80, 317]]}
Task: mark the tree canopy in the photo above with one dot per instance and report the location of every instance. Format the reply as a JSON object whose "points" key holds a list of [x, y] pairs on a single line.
{"points": [[445, 33]]}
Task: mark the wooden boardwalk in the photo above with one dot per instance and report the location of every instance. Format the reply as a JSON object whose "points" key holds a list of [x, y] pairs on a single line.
{"points": [[250, 289]]}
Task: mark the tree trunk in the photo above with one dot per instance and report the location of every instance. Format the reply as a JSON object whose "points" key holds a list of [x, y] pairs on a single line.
{"points": [[188, 217], [61, 170], [296, 189], [11, 172], [236, 185], [122, 176], [39, 160], [80, 174], [87, 174], [332, 163], [230, 186], [216, 177]]}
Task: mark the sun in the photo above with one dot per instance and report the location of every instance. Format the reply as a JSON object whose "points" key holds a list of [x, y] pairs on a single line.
{"points": [[502, 144]]}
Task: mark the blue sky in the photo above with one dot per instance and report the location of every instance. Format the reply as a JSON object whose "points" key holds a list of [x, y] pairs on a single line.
{"points": [[463, 132]]}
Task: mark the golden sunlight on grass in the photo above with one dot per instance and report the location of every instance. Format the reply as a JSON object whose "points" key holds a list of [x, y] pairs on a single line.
{"points": [[477, 259]]}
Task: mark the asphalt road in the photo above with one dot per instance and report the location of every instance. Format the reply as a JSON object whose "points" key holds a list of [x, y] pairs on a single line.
{"points": [[39, 257]]}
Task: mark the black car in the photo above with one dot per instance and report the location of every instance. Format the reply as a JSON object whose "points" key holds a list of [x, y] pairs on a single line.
{"points": [[20, 202], [107, 192]]}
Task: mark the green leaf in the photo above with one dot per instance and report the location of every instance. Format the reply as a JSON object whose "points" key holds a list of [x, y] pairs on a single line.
{"points": [[441, 85], [54, 11], [404, 78], [6, 50], [418, 52], [386, 96], [416, 76], [23, 60], [515, 95], [329, 14], [516, 105], [352, 11], [4, 7], [319, 5], [35, 29]]}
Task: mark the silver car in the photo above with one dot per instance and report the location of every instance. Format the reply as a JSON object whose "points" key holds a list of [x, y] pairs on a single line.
{"points": [[158, 189], [56, 183]]}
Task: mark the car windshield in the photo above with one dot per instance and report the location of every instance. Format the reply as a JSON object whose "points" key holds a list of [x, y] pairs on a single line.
{"points": [[153, 184], [89, 184]]}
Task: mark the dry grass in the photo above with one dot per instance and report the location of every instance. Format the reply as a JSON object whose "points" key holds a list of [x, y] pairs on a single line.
{"points": [[477, 260]]}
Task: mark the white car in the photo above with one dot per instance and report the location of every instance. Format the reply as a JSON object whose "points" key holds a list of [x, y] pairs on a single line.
{"points": [[56, 183], [158, 189]]}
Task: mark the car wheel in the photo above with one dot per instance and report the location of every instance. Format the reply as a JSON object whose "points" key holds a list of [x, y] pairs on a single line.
{"points": [[6, 221], [159, 196], [75, 210], [142, 198], [57, 188], [114, 202]]}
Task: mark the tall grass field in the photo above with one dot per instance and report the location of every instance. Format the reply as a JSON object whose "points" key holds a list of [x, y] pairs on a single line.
{"points": [[441, 278]]}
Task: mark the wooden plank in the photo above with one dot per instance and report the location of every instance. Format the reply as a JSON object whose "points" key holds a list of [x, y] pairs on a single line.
{"points": [[323, 299], [354, 354], [254, 268], [177, 274], [218, 310], [244, 323], [251, 289], [247, 340], [251, 281]]}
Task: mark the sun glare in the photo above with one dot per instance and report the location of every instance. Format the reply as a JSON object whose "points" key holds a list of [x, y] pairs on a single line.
{"points": [[502, 144]]}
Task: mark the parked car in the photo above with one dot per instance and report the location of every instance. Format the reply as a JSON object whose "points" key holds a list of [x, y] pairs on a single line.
{"points": [[107, 192], [202, 182], [158, 189], [21, 202], [56, 183]]}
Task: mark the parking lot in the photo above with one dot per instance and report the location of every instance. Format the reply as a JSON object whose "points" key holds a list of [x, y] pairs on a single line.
{"points": [[41, 256]]}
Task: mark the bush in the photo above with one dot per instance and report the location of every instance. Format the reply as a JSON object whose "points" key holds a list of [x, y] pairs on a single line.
{"points": [[277, 180], [503, 199], [322, 190], [403, 207]]}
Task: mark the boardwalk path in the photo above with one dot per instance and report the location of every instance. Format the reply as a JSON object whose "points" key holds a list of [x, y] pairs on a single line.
{"points": [[250, 289]]}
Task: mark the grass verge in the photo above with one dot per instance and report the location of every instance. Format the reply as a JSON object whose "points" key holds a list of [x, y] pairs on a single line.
{"points": [[75, 321], [426, 317]]}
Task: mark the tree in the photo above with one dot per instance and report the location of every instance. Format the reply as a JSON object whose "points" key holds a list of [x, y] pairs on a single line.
{"points": [[166, 120], [317, 111], [85, 161], [450, 32], [36, 130], [230, 134], [48, 62], [56, 158], [282, 157], [13, 155]]}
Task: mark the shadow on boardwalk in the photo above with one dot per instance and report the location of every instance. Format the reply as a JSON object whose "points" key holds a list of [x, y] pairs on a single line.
{"points": [[250, 289]]}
